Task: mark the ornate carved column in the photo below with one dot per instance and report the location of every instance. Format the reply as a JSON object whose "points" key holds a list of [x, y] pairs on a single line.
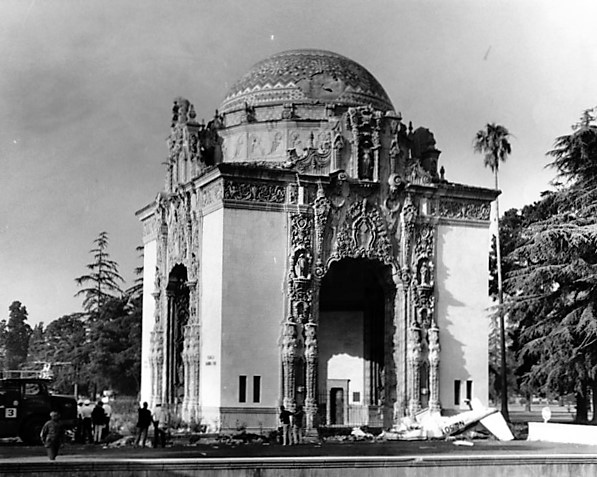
{"points": [[311, 358], [157, 344], [169, 370], [414, 369], [434, 357], [399, 342], [289, 345]]}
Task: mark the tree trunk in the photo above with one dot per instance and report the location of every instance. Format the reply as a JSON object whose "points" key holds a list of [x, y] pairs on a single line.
{"points": [[594, 400], [582, 408], [503, 369], [527, 405]]}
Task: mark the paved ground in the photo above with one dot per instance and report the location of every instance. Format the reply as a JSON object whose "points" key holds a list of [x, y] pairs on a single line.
{"points": [[11, 451]]}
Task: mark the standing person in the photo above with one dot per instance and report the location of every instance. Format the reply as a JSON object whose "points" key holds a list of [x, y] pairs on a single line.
{"points": [[79, 436], [285, 421], [86, 411], [108, 412], [297, 425], [98, 419], [143, 422], [51, 435], [159, 422]]}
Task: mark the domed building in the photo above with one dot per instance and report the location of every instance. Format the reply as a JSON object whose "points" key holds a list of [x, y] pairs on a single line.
{"points": [[307, 251]]}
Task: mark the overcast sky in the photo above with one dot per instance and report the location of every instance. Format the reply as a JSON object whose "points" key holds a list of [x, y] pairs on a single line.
{"points": [[86, 89]]}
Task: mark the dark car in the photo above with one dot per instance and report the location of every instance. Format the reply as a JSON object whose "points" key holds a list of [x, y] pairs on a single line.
{"points": [[25, 405]]}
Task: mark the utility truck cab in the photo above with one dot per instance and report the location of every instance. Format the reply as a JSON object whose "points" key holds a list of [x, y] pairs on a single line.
{"points": [[26, 403]]}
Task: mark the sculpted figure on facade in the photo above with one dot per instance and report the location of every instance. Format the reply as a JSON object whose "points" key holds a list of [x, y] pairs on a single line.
{"points": [[414, 352], [302, 265], [434, 360]]}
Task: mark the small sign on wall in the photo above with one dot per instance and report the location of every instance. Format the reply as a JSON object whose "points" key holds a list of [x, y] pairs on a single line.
{"points": [[211, 360]]}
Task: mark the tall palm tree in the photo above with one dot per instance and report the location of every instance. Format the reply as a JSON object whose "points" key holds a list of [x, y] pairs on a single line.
{"points": [[492, 142]]}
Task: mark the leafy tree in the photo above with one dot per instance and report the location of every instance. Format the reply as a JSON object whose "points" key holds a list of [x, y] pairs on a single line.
{"points": [[17, 336], [115, 357], [102, 281], [493, 143], [2, 344], [68, 351], [37, 347]]}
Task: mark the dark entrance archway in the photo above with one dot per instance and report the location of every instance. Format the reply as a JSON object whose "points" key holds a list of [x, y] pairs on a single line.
{"points": [[354, 355], [178, 317]]}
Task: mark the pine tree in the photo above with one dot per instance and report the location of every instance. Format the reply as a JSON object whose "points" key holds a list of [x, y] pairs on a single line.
{"points": [[556, 283], [103, 280], [17, 336]]}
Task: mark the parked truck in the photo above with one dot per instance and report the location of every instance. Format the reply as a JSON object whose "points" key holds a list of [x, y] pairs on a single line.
{"points": [[26, 402]]}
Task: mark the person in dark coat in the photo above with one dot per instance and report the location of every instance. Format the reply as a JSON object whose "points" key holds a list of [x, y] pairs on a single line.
{"points": [[98, 419], [285, 422], [143, 422], [52, 434]]}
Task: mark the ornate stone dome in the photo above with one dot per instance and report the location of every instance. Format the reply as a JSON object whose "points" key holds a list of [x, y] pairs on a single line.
{"points": [[306, 76]]}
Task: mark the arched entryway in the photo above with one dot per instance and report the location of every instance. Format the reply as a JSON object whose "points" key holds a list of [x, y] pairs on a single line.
{"points": [[178, 317], [355, 356]]}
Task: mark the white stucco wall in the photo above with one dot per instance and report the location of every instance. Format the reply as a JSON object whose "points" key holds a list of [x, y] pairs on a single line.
{"points": [[211, 315], [149, 267], [255, 244], [462, 310]]}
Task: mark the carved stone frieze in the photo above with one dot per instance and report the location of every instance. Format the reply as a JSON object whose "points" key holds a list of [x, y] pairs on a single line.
{"points": [[212, 194], [363, 234], [249, 192], [464, 209], [312, 161]]}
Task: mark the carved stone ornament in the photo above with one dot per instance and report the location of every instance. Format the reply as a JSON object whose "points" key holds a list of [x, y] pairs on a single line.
{"points": [[247, 192], [365, 124], [417, 175], [321, 209], [301, 226], [464, 209], [363, 234], [178, 230], [211, 194], [300, 285], [314, 160]]}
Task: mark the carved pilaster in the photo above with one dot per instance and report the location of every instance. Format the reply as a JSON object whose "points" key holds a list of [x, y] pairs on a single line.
{"points": [[399, 342], [434, 358], [321, 209], [289, 351], [157, 363], [414, 369], [407, 224], [191, 362], [311, 360]]}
